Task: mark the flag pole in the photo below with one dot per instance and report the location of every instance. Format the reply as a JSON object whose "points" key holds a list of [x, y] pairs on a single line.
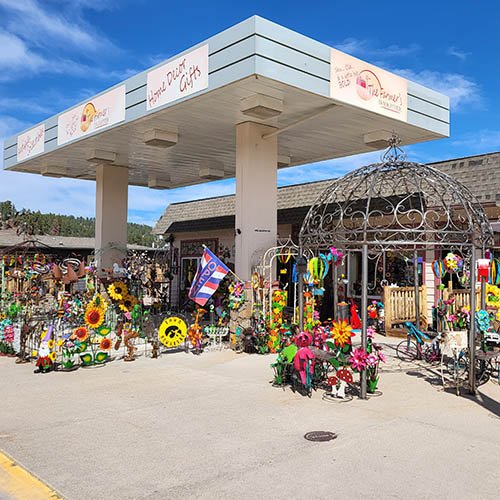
{"points": [[232, 272]]}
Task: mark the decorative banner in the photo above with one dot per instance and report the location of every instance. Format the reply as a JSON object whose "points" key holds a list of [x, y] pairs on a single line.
{"points": [[99, 113], [366, 86], [179, 78], [31, 143]]}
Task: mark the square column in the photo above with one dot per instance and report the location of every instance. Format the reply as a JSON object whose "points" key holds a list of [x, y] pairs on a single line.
{"points": [[256, 195], [111, 215]]}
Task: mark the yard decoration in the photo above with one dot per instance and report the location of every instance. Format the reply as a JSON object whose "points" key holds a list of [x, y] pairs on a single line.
{"points": [[128, 336], [304, 359], [453, 262], [94, 316], [172, 331], [343, 379], [237, 296], [342, 333], [46, 357], [336, 256], [355, 320], [127, 303], [117, 290], [7, 336], [492, 295]]}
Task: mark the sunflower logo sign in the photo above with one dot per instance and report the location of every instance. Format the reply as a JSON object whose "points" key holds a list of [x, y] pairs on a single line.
{"points": [[101, 112]]}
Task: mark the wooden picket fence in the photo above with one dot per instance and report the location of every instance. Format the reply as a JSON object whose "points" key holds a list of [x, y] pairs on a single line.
{"points": [[399, 306]]}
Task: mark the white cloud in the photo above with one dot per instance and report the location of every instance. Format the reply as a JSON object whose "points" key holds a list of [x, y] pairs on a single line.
{"points": [[461, 89], [459, 54], [368, 48], [329, 169], [16, 56], [37, 38], [480, 141], [43, 27]]}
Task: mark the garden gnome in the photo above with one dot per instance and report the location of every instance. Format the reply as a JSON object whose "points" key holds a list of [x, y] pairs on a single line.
{"points": [[44, 362], [304, 354]]}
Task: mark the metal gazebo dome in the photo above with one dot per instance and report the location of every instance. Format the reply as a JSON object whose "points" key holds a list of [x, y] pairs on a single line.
{"points": [[396, 204], [403, 206]]}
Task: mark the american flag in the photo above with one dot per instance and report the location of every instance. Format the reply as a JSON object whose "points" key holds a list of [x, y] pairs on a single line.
{"points": [[210, 273]]}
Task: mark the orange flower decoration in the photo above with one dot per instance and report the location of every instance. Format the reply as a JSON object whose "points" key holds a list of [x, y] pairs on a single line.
{"points": [[94, 316], [81, 333], [342, 332], [105, 344]]}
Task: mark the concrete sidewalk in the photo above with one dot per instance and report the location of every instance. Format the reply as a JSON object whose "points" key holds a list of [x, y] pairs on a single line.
{"points": [[213, 427]]}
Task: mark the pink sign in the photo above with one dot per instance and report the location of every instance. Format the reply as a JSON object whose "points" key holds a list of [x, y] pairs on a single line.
{"points": [[178, 78], [100, 112], [360, 84], [31, 143]]}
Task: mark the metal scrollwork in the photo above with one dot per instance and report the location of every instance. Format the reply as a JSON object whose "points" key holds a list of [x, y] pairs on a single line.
{"points": [[396, 204]]}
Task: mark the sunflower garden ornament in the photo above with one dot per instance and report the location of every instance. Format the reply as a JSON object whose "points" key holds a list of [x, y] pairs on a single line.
{"points": [[117, 290]]}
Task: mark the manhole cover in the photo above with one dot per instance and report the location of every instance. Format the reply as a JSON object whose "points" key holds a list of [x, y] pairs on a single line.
{"points": [[320, 436]]}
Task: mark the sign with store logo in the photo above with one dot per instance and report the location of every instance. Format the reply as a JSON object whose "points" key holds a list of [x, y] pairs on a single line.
{"points": [[99, 113], [178, 78], [31, 143], [366, 86]]}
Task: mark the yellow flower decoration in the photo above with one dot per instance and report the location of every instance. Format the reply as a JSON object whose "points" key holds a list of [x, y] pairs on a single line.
{"points": [[342, 332], [99, 301], [492, 295], [53, 356], [128, 303], [50, 344], [118, 290], [34, 353], [60, 342], [94, 316]]}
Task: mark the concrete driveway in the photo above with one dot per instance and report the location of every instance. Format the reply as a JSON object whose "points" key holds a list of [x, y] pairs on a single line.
{"points": [[212, 426]]}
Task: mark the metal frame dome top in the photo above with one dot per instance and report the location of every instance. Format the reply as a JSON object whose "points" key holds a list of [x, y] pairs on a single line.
{"points": [[396, 204]]}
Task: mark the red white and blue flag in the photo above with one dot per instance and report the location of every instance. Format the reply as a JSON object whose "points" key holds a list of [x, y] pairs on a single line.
{"points": [[210, 273]]}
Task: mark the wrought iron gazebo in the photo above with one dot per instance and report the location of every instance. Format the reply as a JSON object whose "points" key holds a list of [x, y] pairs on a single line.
{"points": [[400, 206]]}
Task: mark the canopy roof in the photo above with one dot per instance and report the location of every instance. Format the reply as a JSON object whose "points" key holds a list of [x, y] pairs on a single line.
{"points": [[289, 71]]}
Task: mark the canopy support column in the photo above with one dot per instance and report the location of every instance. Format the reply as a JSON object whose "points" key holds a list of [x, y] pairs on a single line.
{"points": [[256, 195], [111, 215]]}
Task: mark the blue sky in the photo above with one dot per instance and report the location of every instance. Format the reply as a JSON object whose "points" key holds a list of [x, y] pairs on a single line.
{"points": [[55, 53]]}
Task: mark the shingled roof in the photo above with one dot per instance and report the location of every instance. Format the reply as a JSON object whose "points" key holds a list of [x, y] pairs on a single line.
{"points": [[9, 238], [480, 173]]}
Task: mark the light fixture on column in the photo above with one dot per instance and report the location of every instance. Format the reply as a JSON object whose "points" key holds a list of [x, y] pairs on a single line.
{"points": [[160, 138], [101, 156], [284, 161], [155, 182], [261, 106], [211, 170], [378, 139], [53, 171]]}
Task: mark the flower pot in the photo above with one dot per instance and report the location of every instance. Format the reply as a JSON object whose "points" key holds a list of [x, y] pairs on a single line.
{"points": [[371, 385]]}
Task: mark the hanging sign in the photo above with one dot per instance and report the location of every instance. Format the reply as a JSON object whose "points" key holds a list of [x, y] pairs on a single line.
{"points": [[99, 113], [178, 78], [31, 143], [360, 84]]}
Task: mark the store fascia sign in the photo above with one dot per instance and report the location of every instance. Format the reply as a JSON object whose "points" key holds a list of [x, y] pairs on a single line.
{"points": [[31, 143], [178, 78], [363, 85], [99, 113]]}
